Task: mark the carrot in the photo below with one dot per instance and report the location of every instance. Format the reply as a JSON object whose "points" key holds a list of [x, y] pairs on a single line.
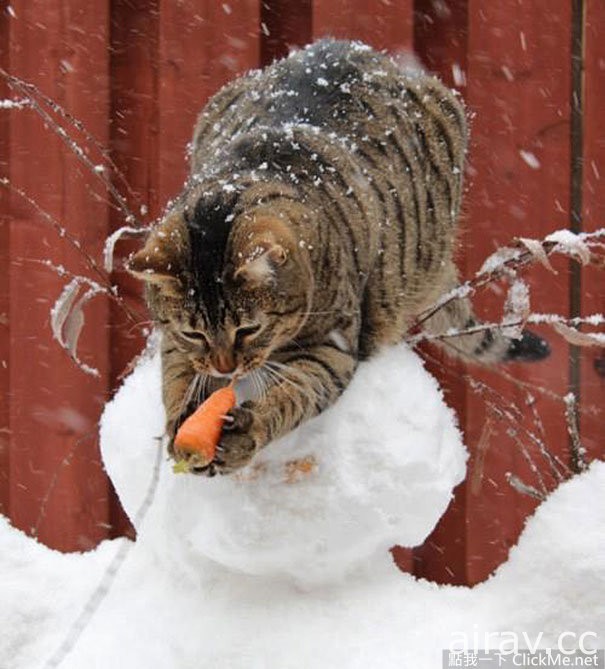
{"points": [[200, 433]]}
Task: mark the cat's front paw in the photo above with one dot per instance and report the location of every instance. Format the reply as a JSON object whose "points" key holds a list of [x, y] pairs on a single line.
{"points": [[239, 441]]}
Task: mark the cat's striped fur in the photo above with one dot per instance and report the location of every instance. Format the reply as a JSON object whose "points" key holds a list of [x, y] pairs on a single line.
{"points": [[319, 220]]}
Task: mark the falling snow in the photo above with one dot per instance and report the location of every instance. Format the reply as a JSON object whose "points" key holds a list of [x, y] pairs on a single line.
{"points": [[530, 159]]}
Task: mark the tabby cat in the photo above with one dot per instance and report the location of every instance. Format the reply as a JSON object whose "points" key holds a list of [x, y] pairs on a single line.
{"points": [[319, 219]]}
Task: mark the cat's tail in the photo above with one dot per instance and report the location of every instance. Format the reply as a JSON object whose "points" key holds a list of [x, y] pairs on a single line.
{"points": [[481, 344]]}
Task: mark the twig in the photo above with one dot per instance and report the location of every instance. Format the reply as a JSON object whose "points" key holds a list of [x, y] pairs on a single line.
{"points": [[26, 89], [59, 229], [516, 483], [66, 460], [547, 319], [513, 415], [109, 575], [519, 256], [527, 457], [578, 452], [34, 92], [64, 234]]}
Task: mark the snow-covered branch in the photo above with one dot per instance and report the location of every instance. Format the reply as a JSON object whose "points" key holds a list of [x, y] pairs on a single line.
{"points": [[506, 261]]}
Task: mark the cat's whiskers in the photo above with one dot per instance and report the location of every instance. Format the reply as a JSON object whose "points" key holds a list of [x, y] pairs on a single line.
{"points": [[192, 390], [274, 370], [276, 367], [295, 372], [277, 378], [287, 368], [257, 387], [261, 380], [264, 380], [203, 387]]}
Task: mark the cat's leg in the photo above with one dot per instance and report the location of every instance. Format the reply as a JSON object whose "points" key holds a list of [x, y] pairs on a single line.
{"points": [[481, 345], [302, 383]]}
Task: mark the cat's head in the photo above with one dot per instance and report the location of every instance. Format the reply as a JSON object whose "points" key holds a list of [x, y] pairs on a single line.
{"points": [[227, 287]]}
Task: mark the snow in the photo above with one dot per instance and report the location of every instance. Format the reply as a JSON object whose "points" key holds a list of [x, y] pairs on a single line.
{"points": [[530, 159], [260, 602], [458, 75], [570, 243], [496, 261], [112, 240], [516, 309], [41, 592], [14, 104]]}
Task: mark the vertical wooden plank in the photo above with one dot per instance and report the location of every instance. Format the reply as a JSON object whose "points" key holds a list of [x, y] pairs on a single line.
{"points": [[57, 487], [515, 77], [519, 90], [441, 39], [592, 392], [134, 145], [383, 25], [201, 48], [5, 20], [284, 25]]}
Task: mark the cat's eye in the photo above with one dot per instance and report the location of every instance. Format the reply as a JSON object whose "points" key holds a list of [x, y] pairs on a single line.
{"points": [[246, 331], [191, 335]]}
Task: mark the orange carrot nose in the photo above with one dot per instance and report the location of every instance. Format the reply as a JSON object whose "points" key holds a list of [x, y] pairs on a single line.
{"points": [[201, 432]]}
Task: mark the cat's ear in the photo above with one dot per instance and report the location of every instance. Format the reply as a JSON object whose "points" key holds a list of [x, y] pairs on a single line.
{"points": [[259, 264], [161, 261]]}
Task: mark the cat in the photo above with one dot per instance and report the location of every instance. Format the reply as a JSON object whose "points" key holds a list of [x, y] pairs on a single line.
{"points": [[318, 220]]}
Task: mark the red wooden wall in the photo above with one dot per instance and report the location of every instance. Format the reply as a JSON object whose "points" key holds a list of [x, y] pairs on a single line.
{"points": [[136, 72]]}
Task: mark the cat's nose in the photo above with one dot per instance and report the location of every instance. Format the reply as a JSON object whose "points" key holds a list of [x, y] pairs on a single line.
{"points": [[224, 363]]}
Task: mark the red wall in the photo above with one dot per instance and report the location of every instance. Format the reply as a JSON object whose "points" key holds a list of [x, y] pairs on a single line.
{"points": [[136, 73]]}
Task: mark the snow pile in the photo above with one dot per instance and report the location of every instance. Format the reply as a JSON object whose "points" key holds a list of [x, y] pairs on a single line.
{"points": [[159, 618], [376, 469], [171, 607], [41, 592]]}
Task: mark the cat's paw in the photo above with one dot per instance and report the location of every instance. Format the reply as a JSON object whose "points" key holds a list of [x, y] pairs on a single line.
{"points": [[238, 441]]}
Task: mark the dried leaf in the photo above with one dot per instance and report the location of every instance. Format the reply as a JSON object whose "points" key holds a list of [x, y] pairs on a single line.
{"points": [[516, 309], [110, 242], [73, 326], [497, 260], [537, 251], [570, 244], [524, 488], [62, 308], [67, 319], [578, 338]]}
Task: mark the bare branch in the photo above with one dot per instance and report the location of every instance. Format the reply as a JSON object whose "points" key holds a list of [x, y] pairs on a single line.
{"points": [[561, 324], [32, 94], [524, 488], [101, 591], [578, 452], [513, 258]]}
